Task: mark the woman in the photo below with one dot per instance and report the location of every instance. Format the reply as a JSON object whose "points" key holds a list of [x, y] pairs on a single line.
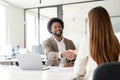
{"points": [[100, 47]]}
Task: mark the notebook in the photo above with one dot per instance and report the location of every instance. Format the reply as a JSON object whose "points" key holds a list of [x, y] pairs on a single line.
{"points": [[30, 61]]}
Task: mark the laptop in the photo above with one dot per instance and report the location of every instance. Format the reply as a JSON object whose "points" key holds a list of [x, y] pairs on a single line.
{"points": [[30, 61]]}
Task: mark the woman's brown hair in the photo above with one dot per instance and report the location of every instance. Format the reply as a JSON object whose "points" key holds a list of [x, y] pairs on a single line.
{"points": [[104, 46]]}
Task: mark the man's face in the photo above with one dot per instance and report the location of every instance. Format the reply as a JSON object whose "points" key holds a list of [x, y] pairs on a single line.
{"points": [[56, 29]]}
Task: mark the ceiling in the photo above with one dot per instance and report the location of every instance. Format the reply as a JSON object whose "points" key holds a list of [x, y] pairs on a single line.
{"points": [[36, 3]]}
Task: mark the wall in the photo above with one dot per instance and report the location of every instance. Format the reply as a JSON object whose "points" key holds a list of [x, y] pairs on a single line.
{"points": [[15, 24]]}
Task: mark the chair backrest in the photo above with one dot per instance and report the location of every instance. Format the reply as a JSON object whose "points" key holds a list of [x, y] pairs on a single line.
{"points": [[37, 49], [107, 71]]}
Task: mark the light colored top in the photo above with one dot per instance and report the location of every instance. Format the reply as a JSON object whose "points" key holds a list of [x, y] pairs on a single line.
{"points": [[61, 46], [84, 64]]}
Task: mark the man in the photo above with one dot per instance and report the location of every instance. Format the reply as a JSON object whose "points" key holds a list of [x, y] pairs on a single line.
{"points": [[55, 47]]}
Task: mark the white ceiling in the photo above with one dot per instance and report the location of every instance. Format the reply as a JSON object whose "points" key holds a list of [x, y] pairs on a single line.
{"points": [[36, 3]]}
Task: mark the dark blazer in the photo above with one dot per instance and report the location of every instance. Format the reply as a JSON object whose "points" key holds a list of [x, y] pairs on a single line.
{"points": [[50, 48]]}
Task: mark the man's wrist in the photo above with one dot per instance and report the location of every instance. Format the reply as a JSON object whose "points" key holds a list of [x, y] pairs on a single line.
{"points": [[60, 53]]}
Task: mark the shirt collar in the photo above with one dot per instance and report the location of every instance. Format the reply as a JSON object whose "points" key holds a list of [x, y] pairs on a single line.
{"points": [[57, 40]]}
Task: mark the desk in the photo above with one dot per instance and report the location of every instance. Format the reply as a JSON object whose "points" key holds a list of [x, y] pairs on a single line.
{"points": [[14, 61], [15, 73], [9, 61]]}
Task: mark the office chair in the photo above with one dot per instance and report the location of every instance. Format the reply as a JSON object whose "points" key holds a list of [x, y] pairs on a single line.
{"points": [[37, 49], [107, 71]]}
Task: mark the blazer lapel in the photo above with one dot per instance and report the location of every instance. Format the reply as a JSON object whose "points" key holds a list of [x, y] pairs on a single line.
{"points": [[66, 44], [53, 42]]}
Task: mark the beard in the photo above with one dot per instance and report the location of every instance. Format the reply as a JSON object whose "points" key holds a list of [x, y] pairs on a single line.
{"points": [[57, 33]]}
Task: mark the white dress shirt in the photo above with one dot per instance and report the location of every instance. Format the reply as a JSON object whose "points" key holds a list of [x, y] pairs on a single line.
{"points": [[61, 45], [61, 48]]}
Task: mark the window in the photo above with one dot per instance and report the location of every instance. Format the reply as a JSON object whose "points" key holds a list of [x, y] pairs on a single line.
{"points": [[2, 25], [3, 50], [116, 25], [31, 28], [44, 18], [73, 19], [36, 34]]}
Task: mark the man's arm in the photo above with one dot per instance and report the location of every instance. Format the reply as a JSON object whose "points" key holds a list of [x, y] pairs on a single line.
{"points": [[51, 53], [49, 50]]}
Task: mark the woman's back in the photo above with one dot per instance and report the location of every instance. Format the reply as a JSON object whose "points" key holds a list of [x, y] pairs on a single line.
{"points": [[104, 46]]}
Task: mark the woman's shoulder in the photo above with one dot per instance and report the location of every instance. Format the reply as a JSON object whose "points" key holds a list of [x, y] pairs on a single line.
{"points": [[85, 40]]}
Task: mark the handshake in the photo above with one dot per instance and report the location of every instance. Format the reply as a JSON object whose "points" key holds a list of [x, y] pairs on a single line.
{"points": [[69, 54]]}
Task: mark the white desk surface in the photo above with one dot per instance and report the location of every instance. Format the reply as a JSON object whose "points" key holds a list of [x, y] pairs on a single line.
{"points": [[15, 73]]}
